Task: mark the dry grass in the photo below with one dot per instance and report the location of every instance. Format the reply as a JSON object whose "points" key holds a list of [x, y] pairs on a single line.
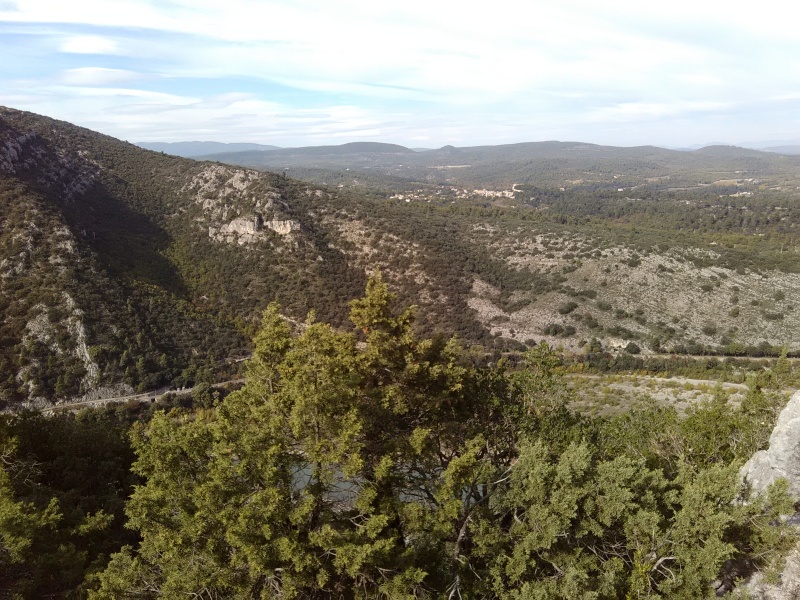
{"points": [[611, 394]]}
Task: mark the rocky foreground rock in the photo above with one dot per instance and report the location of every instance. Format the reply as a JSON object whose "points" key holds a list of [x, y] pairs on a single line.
{"points": [[782, 458]]}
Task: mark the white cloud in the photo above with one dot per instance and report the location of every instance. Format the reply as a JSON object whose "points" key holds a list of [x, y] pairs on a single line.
{"points": [[134, 114], [156, 98], [89, 44], [98, 76], [643, 111], [507, 71]]}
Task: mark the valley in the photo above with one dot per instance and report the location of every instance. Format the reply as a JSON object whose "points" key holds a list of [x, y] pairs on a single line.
{"points": [[588, 248]]}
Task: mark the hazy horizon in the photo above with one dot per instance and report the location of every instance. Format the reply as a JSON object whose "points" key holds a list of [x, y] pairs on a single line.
{"points": [[749, 145]]}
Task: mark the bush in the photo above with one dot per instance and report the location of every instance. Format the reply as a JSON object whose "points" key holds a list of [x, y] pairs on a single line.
{"points": [[553, 329], [567, 308], [632, 348], [769, 316], [591, 322]]}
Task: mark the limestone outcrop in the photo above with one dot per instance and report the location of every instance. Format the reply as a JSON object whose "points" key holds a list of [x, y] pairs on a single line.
{"points": [[247, 230], [782, 458], [282, 227]]}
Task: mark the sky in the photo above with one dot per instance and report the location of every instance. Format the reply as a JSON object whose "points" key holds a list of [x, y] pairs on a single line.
{"points": [[422, 73]]}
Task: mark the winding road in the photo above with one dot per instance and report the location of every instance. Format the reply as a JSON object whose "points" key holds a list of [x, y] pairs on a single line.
{"points": [[151, 396]]}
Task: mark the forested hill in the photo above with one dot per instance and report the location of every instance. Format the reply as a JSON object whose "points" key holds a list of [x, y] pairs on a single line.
{"points": [[134, 269], [123, 266], [125, 269]]}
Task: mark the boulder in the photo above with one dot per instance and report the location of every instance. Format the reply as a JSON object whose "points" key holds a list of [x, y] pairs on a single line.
{"points": [[782, 458]]}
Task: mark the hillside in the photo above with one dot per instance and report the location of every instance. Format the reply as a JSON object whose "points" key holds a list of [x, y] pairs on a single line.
{"points": [[130, 269], [121, 266], [686, 251]]}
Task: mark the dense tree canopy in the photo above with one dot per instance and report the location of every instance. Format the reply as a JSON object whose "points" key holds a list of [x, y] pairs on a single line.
{"points": [[374, 463], [63, 485]]}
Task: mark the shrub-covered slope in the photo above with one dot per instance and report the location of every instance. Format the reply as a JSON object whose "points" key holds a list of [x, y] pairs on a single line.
{"points": [[129, 268], [124, 266]]}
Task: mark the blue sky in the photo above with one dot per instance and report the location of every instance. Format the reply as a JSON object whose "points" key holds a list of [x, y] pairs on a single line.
{"points": [[418, 72]]}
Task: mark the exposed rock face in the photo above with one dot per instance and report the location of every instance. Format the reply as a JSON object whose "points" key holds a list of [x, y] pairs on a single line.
{"points": [[69, 175], [243, 226], [782, 459], [247, 230], [282, 227], [233, 201]]}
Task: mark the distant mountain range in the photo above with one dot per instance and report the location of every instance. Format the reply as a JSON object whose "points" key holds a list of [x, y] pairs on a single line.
{"points": [[194, 149], [776, 147], [224, 151], [792, 149], [552, 163], [346, 149]]}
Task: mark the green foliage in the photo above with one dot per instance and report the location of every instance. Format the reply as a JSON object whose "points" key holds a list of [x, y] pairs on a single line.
{"points": [[376, 463], [25, 555], [316, 475], [63, 484]]}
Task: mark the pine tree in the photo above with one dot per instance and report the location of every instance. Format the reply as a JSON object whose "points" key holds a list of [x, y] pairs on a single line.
{"points": [[374, 463]]}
